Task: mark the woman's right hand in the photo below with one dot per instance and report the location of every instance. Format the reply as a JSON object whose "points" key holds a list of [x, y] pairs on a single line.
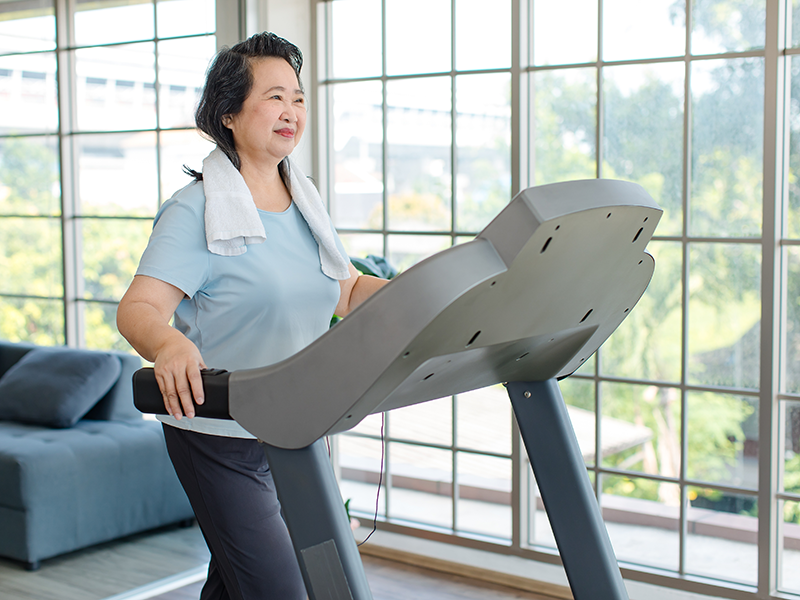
{"points": [[177, 368], [143, 318]]}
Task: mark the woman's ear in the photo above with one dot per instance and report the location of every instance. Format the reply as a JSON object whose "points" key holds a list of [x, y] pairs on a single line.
{"points": [[226, 121]]}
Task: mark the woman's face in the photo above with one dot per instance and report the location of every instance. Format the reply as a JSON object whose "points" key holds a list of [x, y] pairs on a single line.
{"points": [[273, 116]]}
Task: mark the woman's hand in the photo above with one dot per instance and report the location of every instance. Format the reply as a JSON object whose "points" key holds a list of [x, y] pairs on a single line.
{"points": [[177, 368], [143, 318]]}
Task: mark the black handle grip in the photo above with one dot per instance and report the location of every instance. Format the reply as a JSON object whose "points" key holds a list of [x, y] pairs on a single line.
{"points": [[147, 397]]}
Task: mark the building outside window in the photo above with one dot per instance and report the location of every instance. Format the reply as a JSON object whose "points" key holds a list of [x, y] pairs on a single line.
{"points": [[97, 122]]}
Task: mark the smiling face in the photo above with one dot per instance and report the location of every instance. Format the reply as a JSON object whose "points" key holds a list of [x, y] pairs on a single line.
{"points": [[273, 116]]}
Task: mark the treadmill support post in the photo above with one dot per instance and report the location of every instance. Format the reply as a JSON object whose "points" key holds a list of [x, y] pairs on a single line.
{"points": [[314, 513], [567, 493]]}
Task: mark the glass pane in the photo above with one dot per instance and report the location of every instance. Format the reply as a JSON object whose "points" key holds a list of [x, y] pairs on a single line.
{"points": [[635, 29], [793, 17], [539, 531], [99, 22], [27, 26], [360, 469], [371, 425], [111, 252], [117, 174], [407, 250], [115, 88], [723, 26], [724, 314], [31, 320], [792, 216], [483, 148], [642, 517], [418, 36], [29, 176], [790, 450], [723, 439], [641, 429], [483, 420], [588, 368], [181, 75], [430, 422], [422, 482], [361, 245], [484, 495], [648, 343], [722, 535], [30, 257], [100, 322], [179, 148], [565, 112], [355, 39], [643, 133], [727, 147], [472, 23], [789, 569], [185, 17], [419, 137], [357, 148], [791, 343], [579, 397], [558, 37], [28, 93]]}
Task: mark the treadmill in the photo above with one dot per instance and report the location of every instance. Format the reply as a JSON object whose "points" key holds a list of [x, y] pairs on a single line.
{"points": [[525, 303]]}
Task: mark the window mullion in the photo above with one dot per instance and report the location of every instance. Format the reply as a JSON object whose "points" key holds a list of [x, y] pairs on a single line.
{"points": [[770, 298], [69, 235]]}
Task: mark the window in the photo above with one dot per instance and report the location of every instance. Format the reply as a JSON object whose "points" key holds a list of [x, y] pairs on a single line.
{"points": [[95, 128], [428, 129]]}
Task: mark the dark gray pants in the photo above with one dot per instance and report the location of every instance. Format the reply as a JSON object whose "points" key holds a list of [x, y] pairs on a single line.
{"points": [[230, 487]]}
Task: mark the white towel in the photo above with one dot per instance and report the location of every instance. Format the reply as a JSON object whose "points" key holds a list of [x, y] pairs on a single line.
{"points": [[232, 220], [231, 217]]}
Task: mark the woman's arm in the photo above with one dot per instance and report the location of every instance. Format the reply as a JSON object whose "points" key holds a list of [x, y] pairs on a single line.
{"points": [[143, 318], [356, 289]]}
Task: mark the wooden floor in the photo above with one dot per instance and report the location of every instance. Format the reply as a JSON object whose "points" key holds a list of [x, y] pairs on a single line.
{"points": [[106, 570], [395, 581], [126, 568]]}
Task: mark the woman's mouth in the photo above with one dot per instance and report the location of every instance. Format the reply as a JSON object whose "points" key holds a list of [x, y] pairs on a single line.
{"points": [[287, 133]]}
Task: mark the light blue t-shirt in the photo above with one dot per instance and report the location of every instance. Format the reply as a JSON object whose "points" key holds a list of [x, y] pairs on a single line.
{"points": [[244, 311]]}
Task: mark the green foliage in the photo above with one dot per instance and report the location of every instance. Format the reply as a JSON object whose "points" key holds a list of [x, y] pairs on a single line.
{"points": [[732, 25], [31, 254], [564, 134], [28, 178], [715, 434]]}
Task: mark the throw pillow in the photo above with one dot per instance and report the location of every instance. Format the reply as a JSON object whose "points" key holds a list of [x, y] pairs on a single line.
{"points": [[55, 387]]}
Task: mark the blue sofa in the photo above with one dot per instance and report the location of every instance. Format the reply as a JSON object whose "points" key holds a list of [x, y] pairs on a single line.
{"points": [[74, 470]]}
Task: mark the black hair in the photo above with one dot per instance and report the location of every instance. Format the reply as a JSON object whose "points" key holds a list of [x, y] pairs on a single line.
{"points": [[229, 80]]}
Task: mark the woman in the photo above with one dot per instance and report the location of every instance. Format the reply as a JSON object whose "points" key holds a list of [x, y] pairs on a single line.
{"points": [[249, 265]]}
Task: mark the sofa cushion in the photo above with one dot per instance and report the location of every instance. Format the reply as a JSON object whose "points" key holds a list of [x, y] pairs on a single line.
{"points": [[55, 387]]}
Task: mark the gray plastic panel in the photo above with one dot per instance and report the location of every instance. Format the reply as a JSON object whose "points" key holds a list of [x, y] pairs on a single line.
{"points": [[529, 299]]}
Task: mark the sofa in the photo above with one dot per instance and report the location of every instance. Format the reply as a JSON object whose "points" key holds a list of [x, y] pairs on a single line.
{"points": [[78, 463]]}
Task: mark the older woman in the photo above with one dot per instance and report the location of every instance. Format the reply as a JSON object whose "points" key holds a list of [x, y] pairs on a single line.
{"points": [[247, 262]]}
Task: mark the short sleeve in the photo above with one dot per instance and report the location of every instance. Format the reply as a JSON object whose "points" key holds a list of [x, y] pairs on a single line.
{"points": [[177, 252]]}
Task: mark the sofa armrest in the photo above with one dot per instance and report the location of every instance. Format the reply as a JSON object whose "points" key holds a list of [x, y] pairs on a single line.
{"points": [[11, 352]]}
